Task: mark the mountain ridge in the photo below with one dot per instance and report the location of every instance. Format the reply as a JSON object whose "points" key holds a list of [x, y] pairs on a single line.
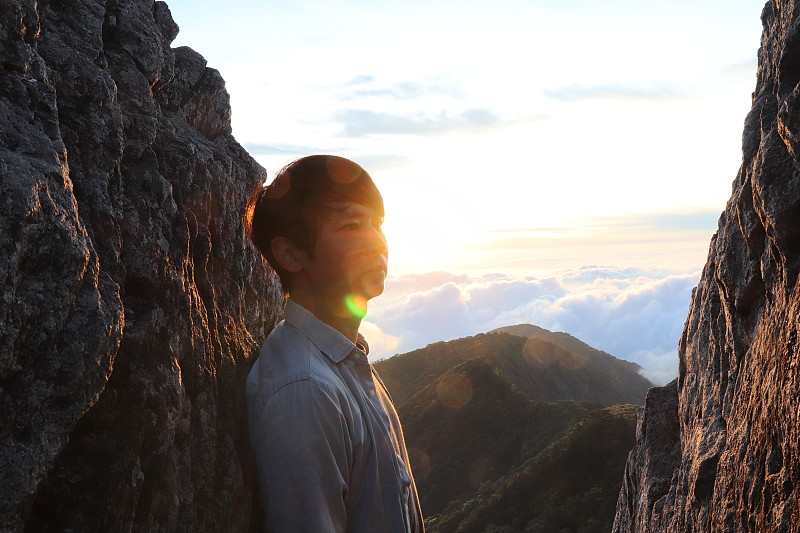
{"points": [[547, 366], [563, 339], [476, 410], [528, 499]]}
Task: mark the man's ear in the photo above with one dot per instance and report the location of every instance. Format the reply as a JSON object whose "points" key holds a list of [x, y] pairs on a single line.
{"points": [[289, 256]]}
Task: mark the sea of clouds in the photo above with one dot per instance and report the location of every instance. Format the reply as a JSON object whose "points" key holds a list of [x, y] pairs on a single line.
{"points": [[633, 314]]}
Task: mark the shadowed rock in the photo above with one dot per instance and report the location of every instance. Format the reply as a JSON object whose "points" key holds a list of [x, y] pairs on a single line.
{"points": [[131, 301], [721, 453]]}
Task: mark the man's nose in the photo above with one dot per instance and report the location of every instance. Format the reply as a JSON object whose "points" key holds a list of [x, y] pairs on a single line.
{"points": [[378, 240]]}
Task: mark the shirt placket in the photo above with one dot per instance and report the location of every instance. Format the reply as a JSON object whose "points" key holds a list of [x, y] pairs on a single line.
{"points": [[364, 375]]}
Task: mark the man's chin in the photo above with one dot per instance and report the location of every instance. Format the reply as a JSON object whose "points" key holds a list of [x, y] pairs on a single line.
{"points": [[373, 284]]}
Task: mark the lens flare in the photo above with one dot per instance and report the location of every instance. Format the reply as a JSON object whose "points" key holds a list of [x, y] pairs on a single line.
{"points": [[541, 352], [483, 469], [455, 390], [357, 305], [420, 462]]}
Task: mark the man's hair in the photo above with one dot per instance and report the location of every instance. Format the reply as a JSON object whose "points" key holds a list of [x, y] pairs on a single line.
{"points": [[290, 206]]}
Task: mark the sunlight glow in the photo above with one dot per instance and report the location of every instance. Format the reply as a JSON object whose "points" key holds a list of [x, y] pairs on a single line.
{"points": [[559, 113], [517, 145]]}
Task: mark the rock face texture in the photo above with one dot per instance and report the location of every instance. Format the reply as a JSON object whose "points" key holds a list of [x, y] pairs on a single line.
{"points": [[130, 300], [719, 448]]}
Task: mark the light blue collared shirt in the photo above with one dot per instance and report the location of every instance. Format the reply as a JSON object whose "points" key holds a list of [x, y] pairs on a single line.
{"points": [[327, 441]]}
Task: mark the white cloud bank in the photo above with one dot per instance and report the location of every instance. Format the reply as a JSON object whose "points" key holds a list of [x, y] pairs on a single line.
{"points": [[633, 314]]}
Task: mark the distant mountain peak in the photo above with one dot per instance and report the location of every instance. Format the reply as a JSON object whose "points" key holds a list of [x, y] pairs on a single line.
{"points": [[478, 409], [522, 330], [543, 365], [560, 338]]}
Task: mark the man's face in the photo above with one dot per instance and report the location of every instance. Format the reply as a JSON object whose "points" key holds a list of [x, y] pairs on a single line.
{"points": [[350, 255]]}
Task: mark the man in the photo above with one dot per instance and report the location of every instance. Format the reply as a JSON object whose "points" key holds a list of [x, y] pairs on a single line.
{"points": [[327, 441]]}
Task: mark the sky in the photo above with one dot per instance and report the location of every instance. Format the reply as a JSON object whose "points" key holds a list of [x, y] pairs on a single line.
{"points": [[557, 162]]}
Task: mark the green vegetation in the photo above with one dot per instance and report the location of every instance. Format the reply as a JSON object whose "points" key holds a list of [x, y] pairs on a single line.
{"points": [[508, 433], [572, 486], [545, 367]]}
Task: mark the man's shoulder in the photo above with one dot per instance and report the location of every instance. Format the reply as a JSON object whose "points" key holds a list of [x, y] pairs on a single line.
{"points": [[287, 356]]}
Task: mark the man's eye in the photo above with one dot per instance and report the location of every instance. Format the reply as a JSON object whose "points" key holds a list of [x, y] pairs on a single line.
{"points": [[351, 226]]}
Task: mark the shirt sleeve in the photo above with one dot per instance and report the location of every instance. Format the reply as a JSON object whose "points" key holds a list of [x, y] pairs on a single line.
{"points": [[302, 452]]}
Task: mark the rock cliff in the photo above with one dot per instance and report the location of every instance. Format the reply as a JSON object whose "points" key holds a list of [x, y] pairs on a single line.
{"points": [[718, 448], [131, 301]]}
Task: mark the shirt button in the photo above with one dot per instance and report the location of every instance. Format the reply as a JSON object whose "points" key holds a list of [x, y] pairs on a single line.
{"points": [[372, 393]]}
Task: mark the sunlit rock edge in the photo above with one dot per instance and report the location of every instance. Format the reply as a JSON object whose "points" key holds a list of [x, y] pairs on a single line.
{"points": [[717, 449]]}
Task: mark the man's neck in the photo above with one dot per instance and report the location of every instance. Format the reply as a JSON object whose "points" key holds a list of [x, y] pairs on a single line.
{"points": [[333, 313]]}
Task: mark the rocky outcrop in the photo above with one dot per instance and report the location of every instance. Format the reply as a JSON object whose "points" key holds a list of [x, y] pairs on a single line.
{"points": [[718, 449], [131, 301]]}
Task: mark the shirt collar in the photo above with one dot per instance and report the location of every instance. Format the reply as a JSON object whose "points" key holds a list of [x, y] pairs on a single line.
{"points": [[327, 339]]}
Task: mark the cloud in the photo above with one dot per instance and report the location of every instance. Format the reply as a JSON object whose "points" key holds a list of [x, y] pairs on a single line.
{"points": [[695, 219], [747, 67], [282, 149], [689, 219], [361, 79], [379, 341], [363, 122], [668, 240], [634, 314], [378, 162], [658, 92], [364, 86], [372, 162], [376, 96]]}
